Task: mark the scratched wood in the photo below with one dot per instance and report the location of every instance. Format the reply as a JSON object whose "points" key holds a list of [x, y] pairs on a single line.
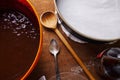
{"points": [[87, 52]]}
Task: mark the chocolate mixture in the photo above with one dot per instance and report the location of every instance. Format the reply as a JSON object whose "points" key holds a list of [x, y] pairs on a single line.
{"points": [[19, 41]]}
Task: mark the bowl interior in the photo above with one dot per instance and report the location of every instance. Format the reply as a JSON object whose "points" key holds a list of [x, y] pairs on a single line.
{"points": [[19, 38]]}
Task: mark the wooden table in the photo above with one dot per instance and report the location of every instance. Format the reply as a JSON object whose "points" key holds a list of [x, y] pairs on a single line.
{"points": [[87, 51]]}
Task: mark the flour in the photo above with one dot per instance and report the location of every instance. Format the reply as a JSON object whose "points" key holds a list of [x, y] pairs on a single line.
{"points": [[98, 19]]}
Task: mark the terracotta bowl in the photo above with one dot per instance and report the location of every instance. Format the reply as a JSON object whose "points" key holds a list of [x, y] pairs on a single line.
{"points": [[15, 64]]}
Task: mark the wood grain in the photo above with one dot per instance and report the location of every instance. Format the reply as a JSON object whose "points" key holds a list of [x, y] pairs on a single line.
{"points": [[87, 52]]}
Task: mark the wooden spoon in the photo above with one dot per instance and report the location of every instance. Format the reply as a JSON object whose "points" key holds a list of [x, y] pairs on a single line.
{"points": [[49, 20]]}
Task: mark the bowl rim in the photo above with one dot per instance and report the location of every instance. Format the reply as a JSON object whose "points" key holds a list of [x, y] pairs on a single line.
{"points": [[36, 59], [77, 34]]}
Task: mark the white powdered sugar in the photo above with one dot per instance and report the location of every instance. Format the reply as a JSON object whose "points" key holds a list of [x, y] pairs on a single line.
{"points": [[97, 19]]}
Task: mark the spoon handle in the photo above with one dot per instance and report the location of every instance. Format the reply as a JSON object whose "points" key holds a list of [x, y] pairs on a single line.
{"points": [[74, 54], [57, 68]]}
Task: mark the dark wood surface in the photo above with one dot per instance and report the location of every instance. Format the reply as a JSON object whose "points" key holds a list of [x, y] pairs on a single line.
{"points": [[87, 51]]}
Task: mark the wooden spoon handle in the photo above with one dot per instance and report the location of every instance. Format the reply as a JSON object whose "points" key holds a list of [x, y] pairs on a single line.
{"points": [[74, 54]]}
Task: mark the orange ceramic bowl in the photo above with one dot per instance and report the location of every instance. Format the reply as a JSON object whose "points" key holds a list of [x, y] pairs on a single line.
{"points": [[16, 66]]}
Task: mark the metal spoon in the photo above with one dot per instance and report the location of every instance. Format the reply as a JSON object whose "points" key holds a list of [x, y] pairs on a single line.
{"points": [[54, 49], [49, 20]]}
